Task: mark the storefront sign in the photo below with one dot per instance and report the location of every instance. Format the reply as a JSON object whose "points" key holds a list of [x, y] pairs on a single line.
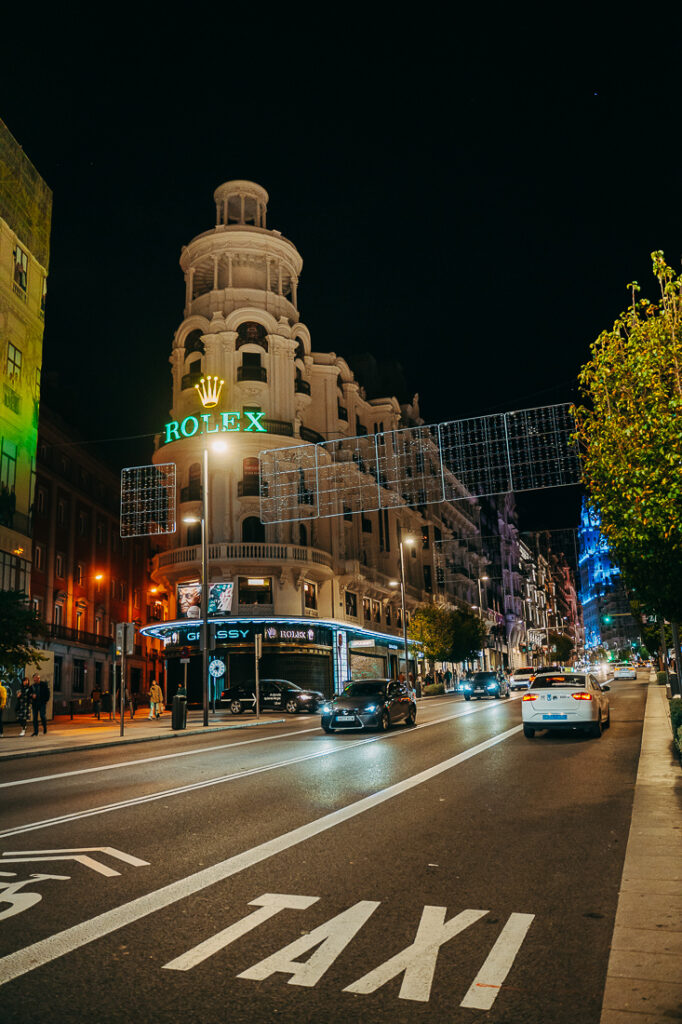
{"points": [[290, 633], [214, 423]]}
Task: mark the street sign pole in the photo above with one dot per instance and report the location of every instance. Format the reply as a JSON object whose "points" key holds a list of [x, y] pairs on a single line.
{"points": [[122, 689], [258, 651]]}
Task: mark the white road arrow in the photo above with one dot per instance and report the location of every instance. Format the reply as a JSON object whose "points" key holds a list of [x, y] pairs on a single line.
{"points": [[79, 854]]}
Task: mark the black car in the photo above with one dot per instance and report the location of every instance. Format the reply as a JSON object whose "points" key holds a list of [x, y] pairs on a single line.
{"points": [[369, 704], [275, 694], [485, 684]]}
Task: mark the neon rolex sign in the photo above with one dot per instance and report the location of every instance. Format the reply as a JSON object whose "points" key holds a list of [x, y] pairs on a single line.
{"points": [[214, 423]]}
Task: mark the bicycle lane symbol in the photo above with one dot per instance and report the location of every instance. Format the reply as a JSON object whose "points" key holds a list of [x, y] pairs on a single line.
{"points": [[19, 901]]}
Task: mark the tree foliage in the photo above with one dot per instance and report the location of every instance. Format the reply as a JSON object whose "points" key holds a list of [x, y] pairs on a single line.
{"points": [[446, 634], [630, 435], [20, 626], [561, 646]]}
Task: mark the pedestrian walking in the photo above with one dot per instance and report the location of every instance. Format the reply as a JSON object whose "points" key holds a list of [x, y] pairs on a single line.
{"points": [[40, 694], [3, 703], [23, 708], [155, 700]]}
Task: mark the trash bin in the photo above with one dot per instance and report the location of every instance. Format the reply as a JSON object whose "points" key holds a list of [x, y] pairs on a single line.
{"points": [[179, 713], [106, 701]]}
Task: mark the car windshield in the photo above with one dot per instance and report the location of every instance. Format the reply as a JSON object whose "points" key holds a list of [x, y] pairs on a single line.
{"points": [[547, 681], [523, 671], [366, 688], [275, 682], [484, 677]]}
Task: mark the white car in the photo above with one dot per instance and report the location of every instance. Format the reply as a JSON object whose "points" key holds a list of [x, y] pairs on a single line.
{"points": [[624, 671], [566, 700], [520, 678]]}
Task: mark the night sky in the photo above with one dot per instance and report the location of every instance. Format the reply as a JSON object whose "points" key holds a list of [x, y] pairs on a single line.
{"points": [[473, 220]]}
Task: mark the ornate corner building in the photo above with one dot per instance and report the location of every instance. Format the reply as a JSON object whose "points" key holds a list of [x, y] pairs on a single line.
{"points": [[319, 590]]}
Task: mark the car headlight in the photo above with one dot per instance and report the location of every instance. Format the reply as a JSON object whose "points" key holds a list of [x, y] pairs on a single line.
{"points": [[325, 709], [371, 707], [491, 686], [304, 696], [468, 686]]}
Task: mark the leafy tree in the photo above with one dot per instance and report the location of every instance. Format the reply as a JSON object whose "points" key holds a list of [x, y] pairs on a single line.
{"points": [[561, 645], [447, 635], [631, 441], [20, 626]]}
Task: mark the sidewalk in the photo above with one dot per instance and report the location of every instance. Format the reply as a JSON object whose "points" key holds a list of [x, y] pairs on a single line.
{"points": [[86, 732], [643, 981]]}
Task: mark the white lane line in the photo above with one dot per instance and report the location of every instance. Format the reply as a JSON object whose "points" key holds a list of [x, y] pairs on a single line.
{"points": [[194, 753], [47, 950], [487, 983], [205, 783]]}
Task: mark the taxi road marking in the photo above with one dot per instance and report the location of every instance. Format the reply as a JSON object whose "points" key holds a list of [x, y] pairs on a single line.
{"points": [[46, 950]]}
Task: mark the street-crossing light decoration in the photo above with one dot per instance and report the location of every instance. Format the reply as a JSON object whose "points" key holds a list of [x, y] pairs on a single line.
{"points": [[148, 500], [413, 466], [209, 389]]}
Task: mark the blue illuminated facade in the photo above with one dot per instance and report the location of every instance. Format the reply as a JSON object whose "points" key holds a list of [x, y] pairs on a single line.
{"points": [[602, 593]]}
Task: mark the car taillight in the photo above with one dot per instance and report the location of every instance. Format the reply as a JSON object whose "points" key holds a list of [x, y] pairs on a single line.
{"points": [[581, 696], [529, 696]]}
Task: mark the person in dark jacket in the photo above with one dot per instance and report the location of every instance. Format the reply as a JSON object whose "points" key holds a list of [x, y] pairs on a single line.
{"points": [[23, 708], [40, 694]]}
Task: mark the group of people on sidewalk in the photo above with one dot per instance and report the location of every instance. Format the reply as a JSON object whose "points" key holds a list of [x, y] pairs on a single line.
{"points": [[130, 701], [32, 699]]}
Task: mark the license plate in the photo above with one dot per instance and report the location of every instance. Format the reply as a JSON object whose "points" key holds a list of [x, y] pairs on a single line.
{"points": [[339, 720], [555, 716]]}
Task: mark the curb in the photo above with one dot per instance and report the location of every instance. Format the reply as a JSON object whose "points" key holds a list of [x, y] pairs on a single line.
{"points": [[138, 739]]}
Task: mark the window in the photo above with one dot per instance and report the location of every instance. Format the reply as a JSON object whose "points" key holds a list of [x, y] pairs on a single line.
{"points": [[388, 615], [82, 523], [57, 615], [194, 534], [79, 620], [347, 514], [101, 533], [255, 590], [8, 465], [98, 625], [20, 269], [78, 575], [78, 676], [123, 590], [425, 536], [38, 556], [310, 595], [57, 677], [13, 368], [60, 513], [302, 535], [136, 598], [376, 611], [366, 524], [253, 530], [40, 501], [37, 603], [113, 589], [351, 604], [399, 618], [59, 566], [366, 609]]}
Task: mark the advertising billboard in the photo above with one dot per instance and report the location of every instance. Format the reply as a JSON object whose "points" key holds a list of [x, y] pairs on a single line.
{"points": [[189, 599]]}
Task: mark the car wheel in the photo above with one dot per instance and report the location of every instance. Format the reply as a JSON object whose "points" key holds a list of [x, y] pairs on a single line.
{"points": [[528, 732], [236, 707], [498, 696], [327, 729], [607, 723], [291, 707], [411, 718], [467, 698], [596, 730], [384, 722]]}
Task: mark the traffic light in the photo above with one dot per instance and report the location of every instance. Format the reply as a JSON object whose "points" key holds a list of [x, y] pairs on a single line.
{"points": [[606, 619]]}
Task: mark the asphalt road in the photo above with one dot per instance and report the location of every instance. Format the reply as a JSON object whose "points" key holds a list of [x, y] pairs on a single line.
{"points": [[456, 871]]}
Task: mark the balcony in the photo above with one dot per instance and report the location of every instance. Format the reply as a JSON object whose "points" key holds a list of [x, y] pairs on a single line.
{"points": [[261, 342], [246, 552], [79, 636], [301, 387], [282, 427], [252, 373], [190, 379], [311, 436]]}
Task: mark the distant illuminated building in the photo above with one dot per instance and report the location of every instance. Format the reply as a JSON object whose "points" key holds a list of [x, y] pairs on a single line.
{"points": [[606, 610]]}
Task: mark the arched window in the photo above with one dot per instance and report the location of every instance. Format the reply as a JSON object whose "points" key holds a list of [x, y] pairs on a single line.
{"points": [[193, 343], [253, 530], [250, 333], [250, 482], [193, 490], [302, 535], [300, 350]]}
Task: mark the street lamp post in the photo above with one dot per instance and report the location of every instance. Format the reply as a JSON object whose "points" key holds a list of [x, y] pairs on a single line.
{"points": [[480, 615], [410, 541]]}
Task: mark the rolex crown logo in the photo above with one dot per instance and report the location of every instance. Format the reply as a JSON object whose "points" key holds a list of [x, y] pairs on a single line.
{"points": [[209, 390]]}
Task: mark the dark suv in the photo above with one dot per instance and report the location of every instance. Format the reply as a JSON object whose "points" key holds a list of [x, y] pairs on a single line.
{"points": [[275, 694], [485, 684], [369, 704]]}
